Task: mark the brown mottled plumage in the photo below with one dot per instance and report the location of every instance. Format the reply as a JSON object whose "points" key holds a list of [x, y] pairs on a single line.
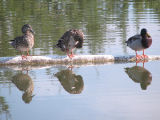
{"points": [[140, 42], [71, 39], [25, 42]]}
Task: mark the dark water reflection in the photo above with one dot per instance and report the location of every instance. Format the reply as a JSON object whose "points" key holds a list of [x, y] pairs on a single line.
{"points": [[92, 90], [71, 82], [139, 75], [24, 83]]}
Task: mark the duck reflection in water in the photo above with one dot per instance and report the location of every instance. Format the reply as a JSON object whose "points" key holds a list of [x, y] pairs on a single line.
{"points": [[139, 75], [71, 83], [24, 83]]}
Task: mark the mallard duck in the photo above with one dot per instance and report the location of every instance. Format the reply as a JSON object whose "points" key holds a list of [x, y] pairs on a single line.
{"points": [[25, 42], [71, 39], [139, 75], [140, 42]]}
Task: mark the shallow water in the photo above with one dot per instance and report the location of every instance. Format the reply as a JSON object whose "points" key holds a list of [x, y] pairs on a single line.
{"points": [[111, 91]]}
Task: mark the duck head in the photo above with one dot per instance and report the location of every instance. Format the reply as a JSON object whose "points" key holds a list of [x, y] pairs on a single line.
{"points": [[144, 33], [27, 28]]}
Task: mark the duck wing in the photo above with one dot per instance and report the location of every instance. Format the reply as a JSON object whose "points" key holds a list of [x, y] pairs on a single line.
{"points": [[133, 39], [19, 41], [63, 41], [70, 39]]}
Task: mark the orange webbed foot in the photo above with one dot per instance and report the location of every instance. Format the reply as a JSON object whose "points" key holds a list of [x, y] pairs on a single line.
{"points": [[145, 56], [138, 57], [24, 57], [71, 56]]}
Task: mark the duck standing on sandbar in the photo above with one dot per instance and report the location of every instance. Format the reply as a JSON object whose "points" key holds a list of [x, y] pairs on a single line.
{"points": [[25, 42], [140, 42], [71, 39]]}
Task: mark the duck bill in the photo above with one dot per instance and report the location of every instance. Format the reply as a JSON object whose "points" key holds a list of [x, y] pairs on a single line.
{"points": [[148, 35], [32, 31]]}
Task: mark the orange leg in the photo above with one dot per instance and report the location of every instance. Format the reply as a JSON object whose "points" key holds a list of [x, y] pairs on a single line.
{"points": [[144, 56], [68, 54], [27, 52], [137, 56], [72, 55], [23, 56], [141, 58]]}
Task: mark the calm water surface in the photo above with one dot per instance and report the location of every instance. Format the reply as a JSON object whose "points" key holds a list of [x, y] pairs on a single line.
{"points": [[99, 92]]}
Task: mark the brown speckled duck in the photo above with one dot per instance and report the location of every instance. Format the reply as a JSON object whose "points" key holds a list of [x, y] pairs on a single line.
{"points": [[140, 42], [71, 39], [25, 42]]}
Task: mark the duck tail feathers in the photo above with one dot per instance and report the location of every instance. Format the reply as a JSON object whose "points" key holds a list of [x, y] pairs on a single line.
{"points": [[126, 42]]}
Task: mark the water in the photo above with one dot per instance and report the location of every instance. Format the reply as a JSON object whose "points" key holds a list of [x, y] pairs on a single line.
{"points": [[85, 92]]}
